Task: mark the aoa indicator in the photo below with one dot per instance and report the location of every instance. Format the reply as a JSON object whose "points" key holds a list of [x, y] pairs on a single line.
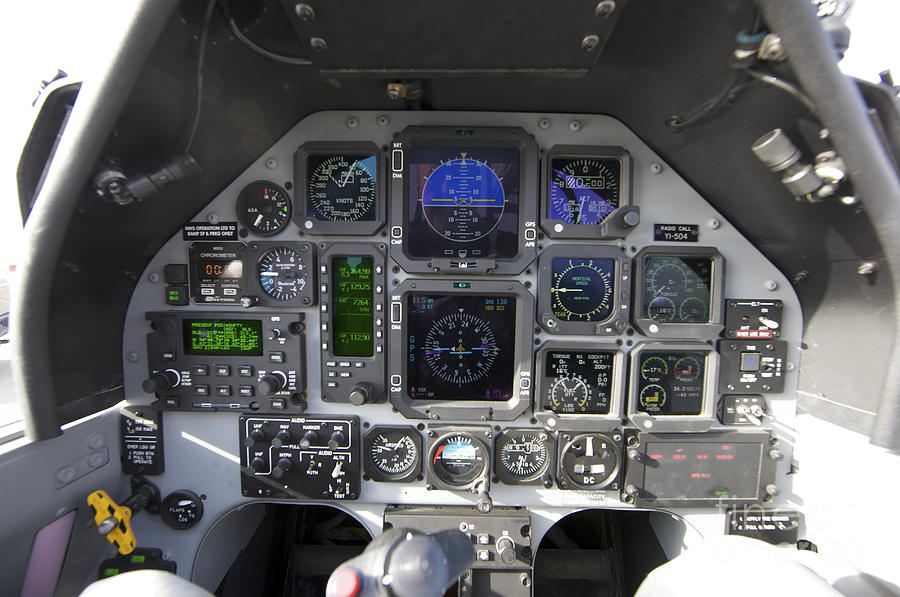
{"points": [[264, 208]]}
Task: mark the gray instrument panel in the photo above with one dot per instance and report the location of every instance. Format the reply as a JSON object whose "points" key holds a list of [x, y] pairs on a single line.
{"points": [[203, 450]]}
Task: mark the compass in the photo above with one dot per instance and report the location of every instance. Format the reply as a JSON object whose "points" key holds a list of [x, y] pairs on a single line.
{"points": [[460, 348]]}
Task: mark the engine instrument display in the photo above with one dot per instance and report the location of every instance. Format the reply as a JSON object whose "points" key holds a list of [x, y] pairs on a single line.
{"points": [[676, 289], [582, 289], [578, 381], [463, 202], [584, 190], [460, 346], [352, 303], [458, 459], [341, 187], [264, 208], [283, 275], [522, 456], [670, 383], [222, 337], [393, 453]]}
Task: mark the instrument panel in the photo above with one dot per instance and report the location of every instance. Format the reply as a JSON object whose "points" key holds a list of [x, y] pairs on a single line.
{"points": [[485, 301]]}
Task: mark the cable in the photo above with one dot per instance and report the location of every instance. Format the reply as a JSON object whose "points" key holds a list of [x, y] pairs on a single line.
{"points": [[678, 122], [235, 30], [784, 86], [201, 58]]}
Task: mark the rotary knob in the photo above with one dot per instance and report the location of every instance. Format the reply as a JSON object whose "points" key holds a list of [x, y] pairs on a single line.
{"points": [[283, 466], [506, 548], [272, 383], [309, 438], [161, 381], [281, 438], [337, 438], [361, 393]]}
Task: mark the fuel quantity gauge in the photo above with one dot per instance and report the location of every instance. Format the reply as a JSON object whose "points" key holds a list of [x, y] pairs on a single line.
{"points": [[393, 454]]}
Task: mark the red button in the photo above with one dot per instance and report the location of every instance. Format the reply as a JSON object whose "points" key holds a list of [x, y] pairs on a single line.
{"points": [[346, 583]]}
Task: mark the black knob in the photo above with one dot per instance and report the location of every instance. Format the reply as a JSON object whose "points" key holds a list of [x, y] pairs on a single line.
{"points": [[309, 438], [255, 436], [283, 437], [283, 466], [160, 381], [271, 383], [361, 393], [257, 465], [507, 550], [337, 438]]}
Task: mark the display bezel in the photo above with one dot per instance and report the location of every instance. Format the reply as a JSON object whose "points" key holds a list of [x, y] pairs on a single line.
{"points": [[373, 371], [670, 423], [614, 225], [309, 224], [635, 473], [654, 329], [617, 322], [307, 253], [580, 421], [463, 137], [436, 434], [467, 410], [544, 476]]}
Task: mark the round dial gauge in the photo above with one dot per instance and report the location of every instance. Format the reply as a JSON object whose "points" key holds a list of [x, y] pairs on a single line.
{"points": [[653, 397], [590, 461], [463, 199], [582, 289], [458, 459], [393, 453], [522, 455], [654, 368], [282, 274], [569, 391], [264, 208], [667, 278], [687, 369], [341, 187], [460, 348], [661, 309], [584, 191], [181, 509], [693, 309]]}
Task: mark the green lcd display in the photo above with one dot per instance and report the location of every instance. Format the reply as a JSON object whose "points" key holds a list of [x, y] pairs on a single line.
{"points": [[352, 302], [223, 337]]}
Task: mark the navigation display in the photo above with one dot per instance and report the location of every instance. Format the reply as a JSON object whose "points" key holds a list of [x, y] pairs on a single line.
{"points": [[223, 337], [578, 381], [352, 302], [670, 383], [460, 346], [463, 202], [676, 289]]}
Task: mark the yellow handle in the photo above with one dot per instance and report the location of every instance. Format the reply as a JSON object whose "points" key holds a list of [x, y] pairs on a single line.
{"points": [[113, 520]]}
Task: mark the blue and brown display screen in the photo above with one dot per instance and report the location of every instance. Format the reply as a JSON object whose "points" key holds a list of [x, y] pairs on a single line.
{"points": [[352, 306], [463, 202], [460, 346], [671, 383], [223, 337]]}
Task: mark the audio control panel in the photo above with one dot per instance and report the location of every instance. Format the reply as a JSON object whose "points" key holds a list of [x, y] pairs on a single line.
{"points": [[233, 361], [296, 457]]}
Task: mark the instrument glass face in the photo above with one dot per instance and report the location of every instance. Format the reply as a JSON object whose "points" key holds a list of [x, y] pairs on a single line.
{"points": [[522, 454], [342, 187], [460, 347], [352, 301], [676, 289], [578, 381], [282, 273], [264, 208], [582, 289], [584, 190], [393, 452], [463, 202], [458, 459], [671, 383]]}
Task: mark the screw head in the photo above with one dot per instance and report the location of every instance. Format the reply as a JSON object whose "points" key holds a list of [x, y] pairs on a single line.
{"points": [[352, 122], [304, 12], [544, 123], [605, 8], [590, 42], [318, 44]]}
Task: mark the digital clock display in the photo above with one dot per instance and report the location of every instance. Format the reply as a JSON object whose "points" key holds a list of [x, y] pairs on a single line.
{"points": [[352, 306], [215, 270], [223, 337]]}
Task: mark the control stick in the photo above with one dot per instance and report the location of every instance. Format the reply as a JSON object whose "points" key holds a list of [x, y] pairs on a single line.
{"points": [[404, 563]]}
